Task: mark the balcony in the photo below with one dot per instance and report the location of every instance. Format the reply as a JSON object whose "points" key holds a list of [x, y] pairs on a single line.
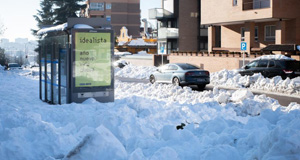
{"points": [[159, 13], [168, 33], [256, 4]]}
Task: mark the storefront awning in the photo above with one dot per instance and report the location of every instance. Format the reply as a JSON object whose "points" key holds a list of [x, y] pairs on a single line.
{"points": [[282, 47]]}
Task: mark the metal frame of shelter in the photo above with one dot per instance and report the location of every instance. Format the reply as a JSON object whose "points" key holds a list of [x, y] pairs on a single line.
{"points": [[66, 76]]}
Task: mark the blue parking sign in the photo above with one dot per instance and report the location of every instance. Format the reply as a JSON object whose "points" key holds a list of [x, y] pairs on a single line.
{"points": [[244, 46], [162, 49]]}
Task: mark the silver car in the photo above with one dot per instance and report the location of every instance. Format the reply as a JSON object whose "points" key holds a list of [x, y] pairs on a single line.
{"points": [[181, 74]]}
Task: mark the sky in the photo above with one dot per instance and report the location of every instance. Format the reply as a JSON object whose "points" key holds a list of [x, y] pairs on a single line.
{"points": [[17, 16]]}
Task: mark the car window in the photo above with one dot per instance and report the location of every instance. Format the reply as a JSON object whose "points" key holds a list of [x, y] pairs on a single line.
{"points": [[165, 67], [172, 67], [252, 64], [262, 64], [271, 64], [187, 66]]}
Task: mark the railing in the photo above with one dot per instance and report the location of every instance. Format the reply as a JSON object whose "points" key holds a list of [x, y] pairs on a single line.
{"points": [[159, 13], [256, 4], [165, 33]]}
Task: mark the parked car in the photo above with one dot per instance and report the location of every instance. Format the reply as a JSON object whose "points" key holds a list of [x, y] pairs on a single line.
{"points": [[12, 66], [272, 67], [181, 74]]}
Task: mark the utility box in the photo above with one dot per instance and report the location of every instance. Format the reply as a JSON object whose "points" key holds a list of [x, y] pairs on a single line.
{"points": [[76, 61]]}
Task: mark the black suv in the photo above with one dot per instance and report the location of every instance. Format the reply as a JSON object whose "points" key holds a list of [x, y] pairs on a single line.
{"points": [[271, 68]]}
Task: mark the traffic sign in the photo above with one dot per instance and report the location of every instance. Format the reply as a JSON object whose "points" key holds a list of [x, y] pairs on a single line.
{"points": [[162, 49], [244, 46]]}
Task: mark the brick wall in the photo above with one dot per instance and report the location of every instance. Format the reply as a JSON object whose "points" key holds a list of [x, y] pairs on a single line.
{"points": [[211, 62]]}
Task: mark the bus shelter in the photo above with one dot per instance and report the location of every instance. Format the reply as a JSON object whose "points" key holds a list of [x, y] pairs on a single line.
{"points": [[76, 61]]}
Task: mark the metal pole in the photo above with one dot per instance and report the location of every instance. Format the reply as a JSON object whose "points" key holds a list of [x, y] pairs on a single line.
{"points": [[244, 58]]}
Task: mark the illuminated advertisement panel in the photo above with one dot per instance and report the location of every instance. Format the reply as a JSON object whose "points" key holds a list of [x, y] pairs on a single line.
{"points": [[92, 66]]}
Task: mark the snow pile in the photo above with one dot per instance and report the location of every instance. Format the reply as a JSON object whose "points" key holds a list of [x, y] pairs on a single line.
{"points": [[142, 122], [138, 72], [232, 78], [276, 84], [122, 53], [121, 43], [143, 53], [139, 42], [275, 57]]}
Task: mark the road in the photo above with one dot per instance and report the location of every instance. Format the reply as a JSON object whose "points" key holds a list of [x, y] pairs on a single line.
{"points": [[283, 100]]}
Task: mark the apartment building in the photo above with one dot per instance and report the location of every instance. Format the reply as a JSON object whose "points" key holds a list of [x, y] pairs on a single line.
{"points": [[260, 23], [119, 12], [179, 26]]}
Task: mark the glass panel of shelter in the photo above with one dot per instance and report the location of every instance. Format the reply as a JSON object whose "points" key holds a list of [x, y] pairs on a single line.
{"points": [[53, 60]]}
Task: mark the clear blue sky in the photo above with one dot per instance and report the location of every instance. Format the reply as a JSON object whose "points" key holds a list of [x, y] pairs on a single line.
{"points": [[17, 16]]}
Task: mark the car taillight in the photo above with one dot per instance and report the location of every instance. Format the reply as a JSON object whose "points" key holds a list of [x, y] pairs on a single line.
{"points": [[207, 73], [287, 71], [189, 73]]}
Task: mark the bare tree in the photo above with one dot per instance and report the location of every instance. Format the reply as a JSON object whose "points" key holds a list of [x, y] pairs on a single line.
{"points": [[2, 28]]}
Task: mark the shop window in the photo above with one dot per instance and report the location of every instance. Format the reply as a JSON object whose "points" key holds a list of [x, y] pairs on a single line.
{"points": [[108, 5]]}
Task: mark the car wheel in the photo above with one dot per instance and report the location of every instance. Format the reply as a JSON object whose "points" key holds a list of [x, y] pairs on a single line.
{"points": [[176, 81], [201, 86], [152, 79]]}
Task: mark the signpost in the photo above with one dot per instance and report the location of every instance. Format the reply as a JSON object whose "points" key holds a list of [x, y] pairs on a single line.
{"points": [[162, 50], [243, 49]]}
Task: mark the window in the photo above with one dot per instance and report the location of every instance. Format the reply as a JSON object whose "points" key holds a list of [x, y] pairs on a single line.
{"points": [[234, 2], [256, 33], [172, 67], [242, 34], [108, 5], [262, 64], [97, 6], [271, 64], [252, 64], [108, 18], [270, 33]]}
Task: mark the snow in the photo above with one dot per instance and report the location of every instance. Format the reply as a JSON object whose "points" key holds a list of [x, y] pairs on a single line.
{"points": [[140, 42], [60, 27], [226, 78], [141, 124], [83, 26], [132, 71], [122, 53], [275, 57]]}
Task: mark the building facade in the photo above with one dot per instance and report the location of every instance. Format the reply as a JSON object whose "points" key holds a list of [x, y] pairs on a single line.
{"points": [[119, 12], [260, 23], [178, 23]]}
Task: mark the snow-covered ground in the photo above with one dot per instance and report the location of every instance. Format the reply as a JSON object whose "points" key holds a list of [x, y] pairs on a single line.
{"points": [[142, 124]]}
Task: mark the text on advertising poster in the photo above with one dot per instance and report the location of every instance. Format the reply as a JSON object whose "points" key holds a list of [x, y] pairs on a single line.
{"points": [[92, 59]]}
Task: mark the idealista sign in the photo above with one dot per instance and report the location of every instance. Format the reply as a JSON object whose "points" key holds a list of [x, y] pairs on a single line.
{"points": [[91, 69], [92, 59]]}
